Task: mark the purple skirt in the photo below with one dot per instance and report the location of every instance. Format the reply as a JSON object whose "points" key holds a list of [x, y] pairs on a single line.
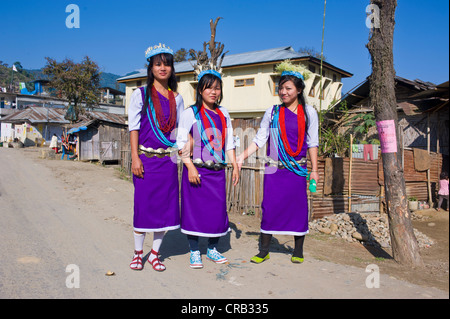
{"points": [[285, 204], [204, 206], [156, 196]]}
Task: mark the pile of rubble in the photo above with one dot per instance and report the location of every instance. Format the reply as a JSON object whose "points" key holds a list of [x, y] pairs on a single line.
{"points": [[371, 229]]}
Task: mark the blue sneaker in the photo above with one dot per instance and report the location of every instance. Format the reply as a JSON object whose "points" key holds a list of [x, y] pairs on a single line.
{"points": [[195, 260], [214, 255]]}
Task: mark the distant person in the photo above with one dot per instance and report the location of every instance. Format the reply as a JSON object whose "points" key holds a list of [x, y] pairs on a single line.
{"points": [[443, 189], [203, 182], [291, 130], [54, 143], [153, 115], [64, 146]]}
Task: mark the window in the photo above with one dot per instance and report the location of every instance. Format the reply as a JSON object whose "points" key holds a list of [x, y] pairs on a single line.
{"points": [[324, 88], [312, 68], [244, 82], [138, 83], [313, 91], [334, 77], [276, 80], [250, 82], [194, 87]]}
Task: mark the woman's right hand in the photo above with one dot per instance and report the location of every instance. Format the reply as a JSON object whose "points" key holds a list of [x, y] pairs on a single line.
{"points": [[137, 168], [194, 177]]}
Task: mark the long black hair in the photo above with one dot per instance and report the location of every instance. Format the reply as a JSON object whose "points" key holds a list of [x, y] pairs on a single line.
{"points": [[167, 59], [206, 82], [300, 85]]}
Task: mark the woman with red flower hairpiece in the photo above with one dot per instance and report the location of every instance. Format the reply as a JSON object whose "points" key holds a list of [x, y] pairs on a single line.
{"points": [[292, 131]]}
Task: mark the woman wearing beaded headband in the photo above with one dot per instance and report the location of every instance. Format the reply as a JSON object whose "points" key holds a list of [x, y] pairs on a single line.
{"points": [[292, 131], [153, 114], [203, 189]]}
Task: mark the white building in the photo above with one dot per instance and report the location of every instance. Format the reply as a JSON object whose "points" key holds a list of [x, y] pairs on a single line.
{"points": [[250, 82]]}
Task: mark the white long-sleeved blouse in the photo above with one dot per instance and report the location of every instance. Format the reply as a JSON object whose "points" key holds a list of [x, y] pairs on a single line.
{"points": [[136, 105], [312, 138], [187, 119]]}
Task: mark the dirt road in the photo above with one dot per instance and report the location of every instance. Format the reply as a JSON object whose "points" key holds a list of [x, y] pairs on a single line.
{"points": [[65, 224]]}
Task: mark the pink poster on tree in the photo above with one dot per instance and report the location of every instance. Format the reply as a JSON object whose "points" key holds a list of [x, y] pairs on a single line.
{"points": [[388, 138]]}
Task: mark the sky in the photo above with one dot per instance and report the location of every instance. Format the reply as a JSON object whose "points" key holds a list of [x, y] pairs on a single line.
{"points": [[116, 33]]}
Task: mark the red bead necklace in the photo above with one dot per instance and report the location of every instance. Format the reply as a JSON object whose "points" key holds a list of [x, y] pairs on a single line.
{"points": [[301, 130], [207, 125], [163, 124]]}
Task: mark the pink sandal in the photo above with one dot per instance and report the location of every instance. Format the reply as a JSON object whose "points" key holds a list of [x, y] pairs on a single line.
{"points": [[156, 262], [136, 263]]}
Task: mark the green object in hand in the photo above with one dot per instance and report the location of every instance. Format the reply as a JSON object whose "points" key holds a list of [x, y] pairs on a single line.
{"points": [[312, 186]]}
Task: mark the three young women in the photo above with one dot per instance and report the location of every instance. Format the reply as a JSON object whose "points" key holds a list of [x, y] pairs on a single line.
{"points": [[205, 139]]}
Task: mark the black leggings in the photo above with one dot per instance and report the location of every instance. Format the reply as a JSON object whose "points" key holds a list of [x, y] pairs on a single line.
{"points": [[193, 242], [265, 243], [441, 199]]}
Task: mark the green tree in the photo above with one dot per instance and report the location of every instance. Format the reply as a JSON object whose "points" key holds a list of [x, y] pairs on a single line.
{"points": [[79, 83], [180, 55]]}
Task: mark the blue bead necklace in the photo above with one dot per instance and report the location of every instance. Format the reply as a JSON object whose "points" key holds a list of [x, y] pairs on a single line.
{"points": [[203, 135], [159, 134]]}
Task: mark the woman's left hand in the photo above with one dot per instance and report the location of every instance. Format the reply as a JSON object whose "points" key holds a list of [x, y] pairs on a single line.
{"points": [[235, 175], [314, 176]]}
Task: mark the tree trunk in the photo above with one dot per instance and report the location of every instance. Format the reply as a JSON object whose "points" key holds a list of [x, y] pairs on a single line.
{"points": [[405, 248]]}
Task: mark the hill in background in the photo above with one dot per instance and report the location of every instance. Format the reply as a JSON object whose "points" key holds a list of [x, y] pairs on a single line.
{"points": [[24, 75]]}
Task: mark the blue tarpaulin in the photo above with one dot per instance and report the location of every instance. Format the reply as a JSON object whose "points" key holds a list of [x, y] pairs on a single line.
{"points": [[77, 129]]}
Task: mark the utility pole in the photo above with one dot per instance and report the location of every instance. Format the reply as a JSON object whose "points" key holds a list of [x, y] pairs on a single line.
{"points": [[321, 94]]}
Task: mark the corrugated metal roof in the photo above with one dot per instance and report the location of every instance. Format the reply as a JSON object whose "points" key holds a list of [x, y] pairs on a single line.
{"points": [[36, 114], [361, 92], [106, 117], [276, 54]]}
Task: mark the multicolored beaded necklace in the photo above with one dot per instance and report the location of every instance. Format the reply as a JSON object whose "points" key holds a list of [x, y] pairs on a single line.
{"points": [[169, 124], [278, 130], [215, 143], [157, 121]]}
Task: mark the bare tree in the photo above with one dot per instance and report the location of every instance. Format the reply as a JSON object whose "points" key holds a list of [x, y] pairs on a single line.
{"points": [[180, 55], [405, 248], [216, 52], [310, 52]]}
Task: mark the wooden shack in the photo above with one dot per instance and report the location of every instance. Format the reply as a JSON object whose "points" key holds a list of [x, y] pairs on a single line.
{"points": [[101, 138], [422, 109]]}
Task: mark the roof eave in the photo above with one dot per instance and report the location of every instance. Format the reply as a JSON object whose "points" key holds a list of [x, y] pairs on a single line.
{"points": [[305, 58]]}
